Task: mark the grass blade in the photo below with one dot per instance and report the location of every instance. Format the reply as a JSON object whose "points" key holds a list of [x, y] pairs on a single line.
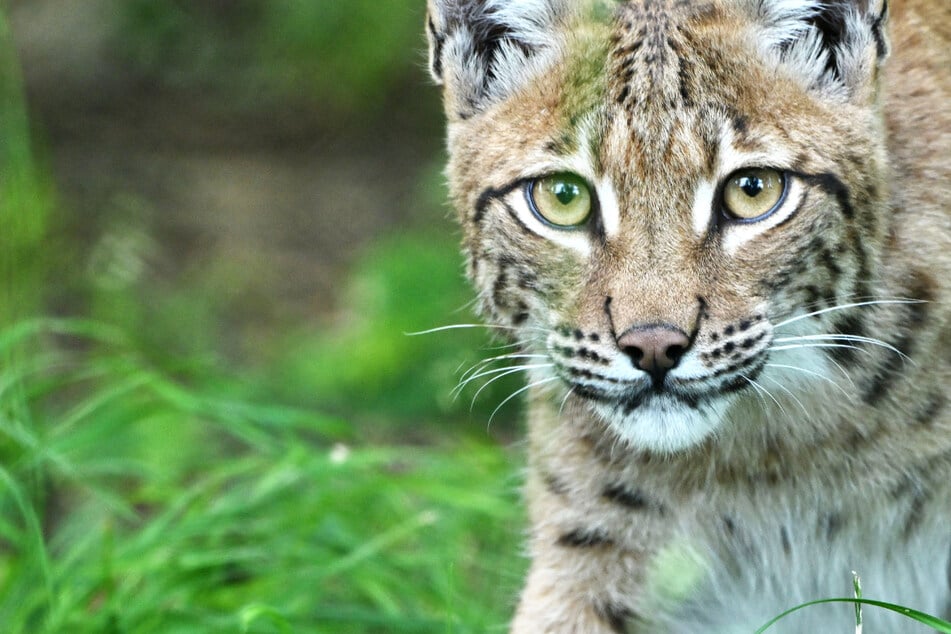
{"points": [[931, 621]]}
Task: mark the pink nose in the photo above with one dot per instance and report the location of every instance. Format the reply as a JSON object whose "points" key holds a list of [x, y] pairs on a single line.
{"points": [[654, 349]]}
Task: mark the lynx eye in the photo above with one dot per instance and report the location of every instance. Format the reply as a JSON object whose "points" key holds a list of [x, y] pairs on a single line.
{"points": [[562, 200], [753, 193]]}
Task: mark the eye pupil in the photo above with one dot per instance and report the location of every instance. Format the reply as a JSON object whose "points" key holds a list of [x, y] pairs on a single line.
{"points": [[566, 193], [751, 186]]}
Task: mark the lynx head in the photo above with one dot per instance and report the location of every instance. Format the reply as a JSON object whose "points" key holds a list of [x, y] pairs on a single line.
{"points": [[663, 197]]}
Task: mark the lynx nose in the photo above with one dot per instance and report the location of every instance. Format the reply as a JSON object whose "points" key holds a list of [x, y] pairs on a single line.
{"points": [[655, 349]]}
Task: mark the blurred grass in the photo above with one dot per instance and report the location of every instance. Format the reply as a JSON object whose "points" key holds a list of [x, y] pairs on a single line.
{"points": [[401, 285], [24, 195], [146, 485], [132, 504], [344, 55]]}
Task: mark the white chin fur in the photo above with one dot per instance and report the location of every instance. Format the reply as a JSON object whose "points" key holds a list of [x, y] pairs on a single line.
{"points": [[662, 424]]}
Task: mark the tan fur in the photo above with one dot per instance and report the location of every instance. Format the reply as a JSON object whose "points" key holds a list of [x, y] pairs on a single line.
{"points": [[771, 494]]}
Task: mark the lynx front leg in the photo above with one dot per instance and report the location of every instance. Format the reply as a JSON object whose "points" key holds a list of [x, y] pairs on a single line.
{"points": [[559, 600], [589, 556]]}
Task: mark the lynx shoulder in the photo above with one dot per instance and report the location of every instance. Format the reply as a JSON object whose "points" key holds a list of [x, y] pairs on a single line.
{"points": [[724, 228]]}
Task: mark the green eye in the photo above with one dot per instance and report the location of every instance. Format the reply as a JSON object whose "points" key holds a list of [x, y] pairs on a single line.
{"points": [[563, 200], [753, 194]]}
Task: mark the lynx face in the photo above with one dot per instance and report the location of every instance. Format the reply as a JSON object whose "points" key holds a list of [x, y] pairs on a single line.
{"points": [[655, 195]]}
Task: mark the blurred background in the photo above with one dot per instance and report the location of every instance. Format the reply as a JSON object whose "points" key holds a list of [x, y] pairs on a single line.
{"points": [[218, 221]]}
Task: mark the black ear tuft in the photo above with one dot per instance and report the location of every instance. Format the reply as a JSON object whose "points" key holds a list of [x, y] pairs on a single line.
{"points": [[879, 27], [834, 45], [479, 49], [437, 41], [833, 23]]}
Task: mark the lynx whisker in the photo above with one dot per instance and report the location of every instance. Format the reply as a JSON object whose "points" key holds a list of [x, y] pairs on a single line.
{"points": [[564, 401], [760, 390], [485, 385], [845, 337], [519, 391], [486, 326], [843, 371], [819, 375], [817, 345], [500, 371], [789, 392], [521, 343], [481, 365], [873, 302]]}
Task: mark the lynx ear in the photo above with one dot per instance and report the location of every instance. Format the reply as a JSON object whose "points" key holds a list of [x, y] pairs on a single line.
{"points": [[482, 50], [834, 45]]}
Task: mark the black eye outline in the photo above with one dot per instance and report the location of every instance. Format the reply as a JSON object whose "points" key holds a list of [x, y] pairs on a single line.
{"points": [[721, 205], [593, 213]]}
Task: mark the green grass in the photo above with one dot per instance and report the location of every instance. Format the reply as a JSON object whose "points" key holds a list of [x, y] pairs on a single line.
{"points": [[130, 504]]}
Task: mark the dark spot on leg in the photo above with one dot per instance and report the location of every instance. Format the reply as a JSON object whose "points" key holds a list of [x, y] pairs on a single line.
{"points": [[784, 538], [729, 524], [831, 525], [614, 616], [555, 485], [932, 407], [630, 498], [914, 516], [584, 538]]}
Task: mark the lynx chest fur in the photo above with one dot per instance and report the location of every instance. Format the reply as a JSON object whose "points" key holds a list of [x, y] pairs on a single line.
{"points": [[720, 232]]}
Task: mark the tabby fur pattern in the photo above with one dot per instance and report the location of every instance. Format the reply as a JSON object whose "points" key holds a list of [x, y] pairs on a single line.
{"points": [[804, 430]]}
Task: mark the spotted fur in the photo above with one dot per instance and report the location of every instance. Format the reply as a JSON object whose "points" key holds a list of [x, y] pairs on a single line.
{"points": [[804, 430]]}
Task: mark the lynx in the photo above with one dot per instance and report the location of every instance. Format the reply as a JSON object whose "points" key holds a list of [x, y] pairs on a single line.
{"points": [[720, 233]]}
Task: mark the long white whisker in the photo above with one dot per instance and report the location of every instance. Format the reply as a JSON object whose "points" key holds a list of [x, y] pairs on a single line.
{"points": [[454, 327], [462, 326], [817, 345], [503, 357], [503, 371], [788, 391], [844, 337], [760, 390], [493, 380], [515, 344], [843, 371], [519, 391], [815, 374], [564, 401], [873, 302]]}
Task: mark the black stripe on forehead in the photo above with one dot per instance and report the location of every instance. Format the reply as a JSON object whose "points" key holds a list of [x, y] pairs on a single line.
{"points": [[650, 54]]}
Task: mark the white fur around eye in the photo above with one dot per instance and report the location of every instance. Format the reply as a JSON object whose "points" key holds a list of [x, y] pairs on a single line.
{"points": [[703, 205], [731, 159], [576, 239], [737, 234], [609, 208]]}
